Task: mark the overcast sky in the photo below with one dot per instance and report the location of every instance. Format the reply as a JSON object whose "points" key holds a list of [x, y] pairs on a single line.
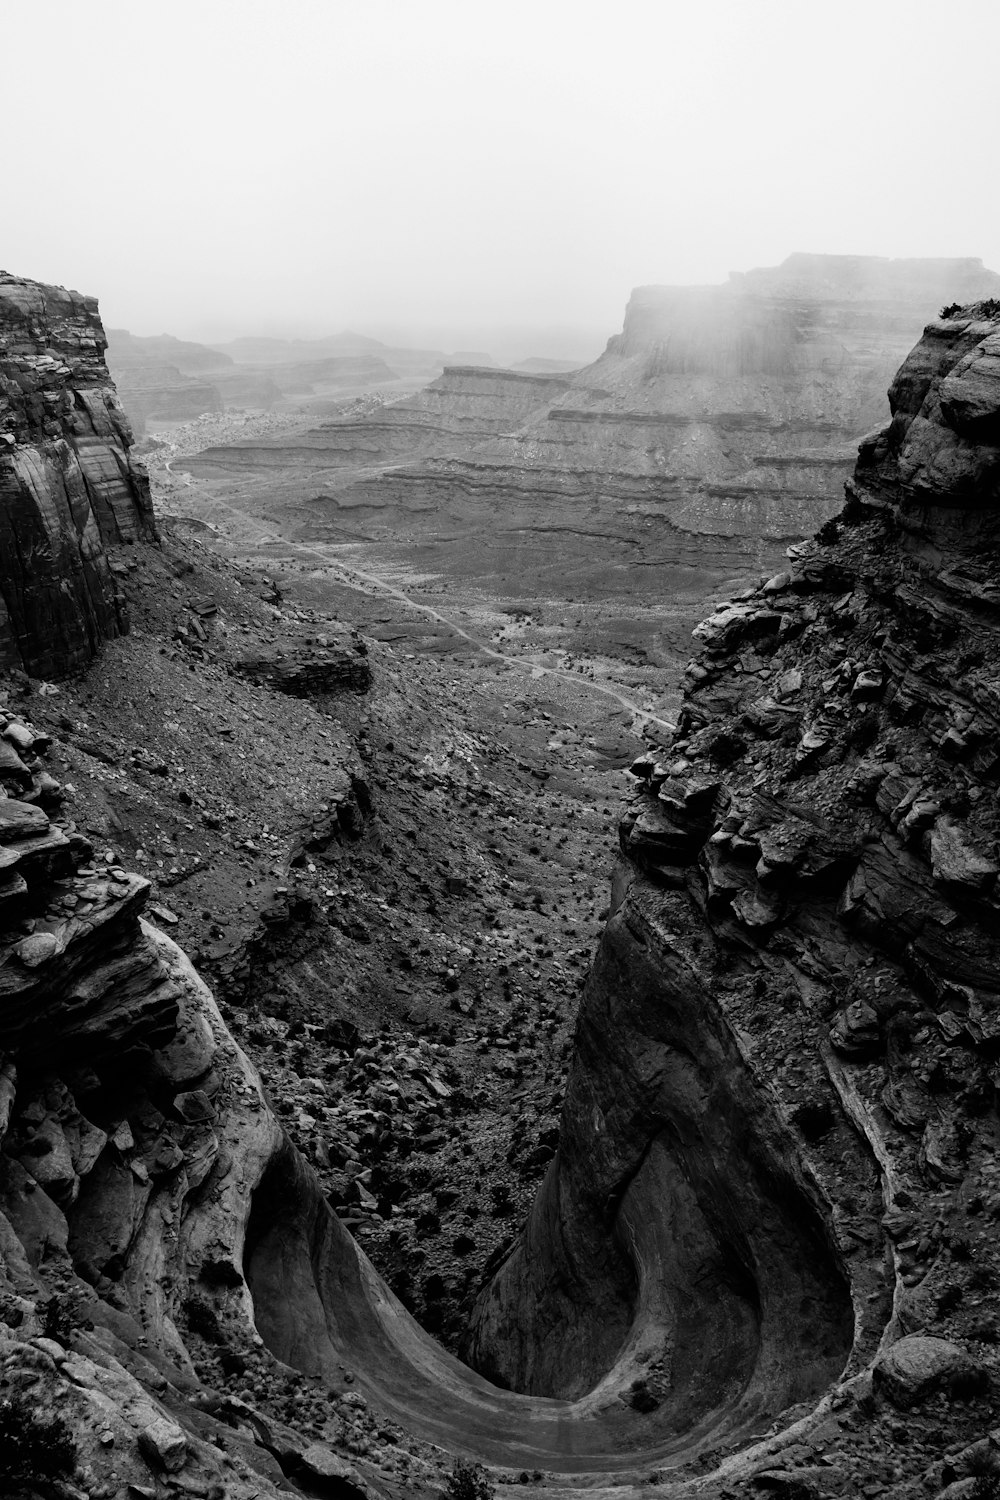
{"points": [[214, 167]]}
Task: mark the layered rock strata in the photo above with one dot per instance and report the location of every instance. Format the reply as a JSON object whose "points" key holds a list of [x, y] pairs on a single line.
{"points": [[313, 668], [808, 886], [728, 410], [69, 490], [132, 1135], [778, 1150], [716, 428], [462, 407]]}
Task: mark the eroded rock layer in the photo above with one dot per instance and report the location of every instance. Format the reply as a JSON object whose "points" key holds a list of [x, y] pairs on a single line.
{"points": [[717, 427], [69, 491], [727, 410], [773, 1205], [808, 886]]}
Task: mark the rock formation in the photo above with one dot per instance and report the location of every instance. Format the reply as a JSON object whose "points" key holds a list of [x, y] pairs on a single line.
{"points": [[717, 427], [764, 1253], [69, 490], [462, 407], [801, 970]]}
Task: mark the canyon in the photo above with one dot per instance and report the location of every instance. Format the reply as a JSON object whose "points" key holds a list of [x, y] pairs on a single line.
{"points": [[758, 1249], [161, 379], [611, 504]]}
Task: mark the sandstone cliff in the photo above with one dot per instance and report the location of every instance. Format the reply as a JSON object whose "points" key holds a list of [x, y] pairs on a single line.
{"points": [[69, 491], [772, 1213], [717, 427], [791, 1031]]}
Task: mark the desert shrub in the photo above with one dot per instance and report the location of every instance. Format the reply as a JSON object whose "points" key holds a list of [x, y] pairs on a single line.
{"points": [[202, 1319], [32, 1448], [726, 748], [63, 1314], [982, 1461], [988, 308], [469, 1482]]}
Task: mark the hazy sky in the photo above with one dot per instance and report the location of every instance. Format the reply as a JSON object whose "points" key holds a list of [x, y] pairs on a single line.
{"points": [[212, 167]]}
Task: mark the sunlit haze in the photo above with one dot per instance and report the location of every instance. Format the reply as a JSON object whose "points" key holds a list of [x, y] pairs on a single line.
{"points": [[460, 173]]}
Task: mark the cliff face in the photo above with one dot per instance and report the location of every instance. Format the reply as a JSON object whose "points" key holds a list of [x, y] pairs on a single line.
{"points": [[717, 427], [764, 386], [463, 406], [786, 1055], [775, 1195], [69, 491]]}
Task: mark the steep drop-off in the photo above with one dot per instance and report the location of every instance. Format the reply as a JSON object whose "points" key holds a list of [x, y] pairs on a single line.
{"points": [[69, 490], [808, 882], [772, 1211]]}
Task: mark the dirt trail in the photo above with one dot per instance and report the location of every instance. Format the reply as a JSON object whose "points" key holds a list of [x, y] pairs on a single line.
{"points": [[323, 553]]}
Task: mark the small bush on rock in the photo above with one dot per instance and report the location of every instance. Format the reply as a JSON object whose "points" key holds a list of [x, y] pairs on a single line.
{"points": [[469, 1482], [31, 1448], [63, 1315]]}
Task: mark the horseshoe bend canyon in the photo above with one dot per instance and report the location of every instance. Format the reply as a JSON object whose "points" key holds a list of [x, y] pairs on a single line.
{"points": [[452, 1036]]}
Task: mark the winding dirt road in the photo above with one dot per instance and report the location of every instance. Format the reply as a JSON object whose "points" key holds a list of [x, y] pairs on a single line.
{"points": [[352, 576]]}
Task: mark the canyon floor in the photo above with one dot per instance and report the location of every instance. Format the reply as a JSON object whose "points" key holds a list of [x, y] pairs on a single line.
{"points": [[564, 603], [409, 994]]}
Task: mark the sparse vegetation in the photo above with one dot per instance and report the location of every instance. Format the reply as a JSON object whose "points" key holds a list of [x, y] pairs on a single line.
{"points": [[63, 1314], [469, 1482], [32, 1449], [988, 308]]}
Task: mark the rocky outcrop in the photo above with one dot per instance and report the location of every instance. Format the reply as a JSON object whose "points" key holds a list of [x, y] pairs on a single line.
{"points": [[314, 667], [772, 1211], [133, 1133], [69, 490], [791, 1029]]}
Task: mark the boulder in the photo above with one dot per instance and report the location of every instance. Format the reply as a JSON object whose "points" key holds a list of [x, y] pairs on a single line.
{"points": [[916, 1366], [163, 1445], [954, 861]]}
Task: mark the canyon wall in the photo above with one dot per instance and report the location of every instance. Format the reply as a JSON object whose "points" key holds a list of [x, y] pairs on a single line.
{"points": [[725, 410], [69, 490], [798, 990], [770, 1224], [716, 427]]}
